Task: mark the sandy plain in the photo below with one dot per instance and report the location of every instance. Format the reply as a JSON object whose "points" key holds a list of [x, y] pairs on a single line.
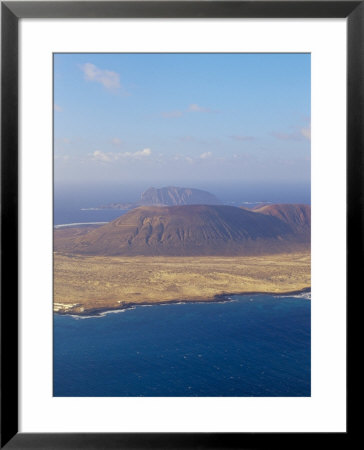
{"points": [[92, 284]]}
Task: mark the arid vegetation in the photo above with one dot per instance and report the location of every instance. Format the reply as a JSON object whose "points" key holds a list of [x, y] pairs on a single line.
{"points": [[88, 283]]}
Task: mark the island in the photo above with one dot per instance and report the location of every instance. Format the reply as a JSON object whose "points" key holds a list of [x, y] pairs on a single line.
{"points": [[191, 253], [167, 196]]}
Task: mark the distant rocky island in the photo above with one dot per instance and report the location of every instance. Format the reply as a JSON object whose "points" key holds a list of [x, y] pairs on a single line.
{"points": [[168, 196], [175, 196]]}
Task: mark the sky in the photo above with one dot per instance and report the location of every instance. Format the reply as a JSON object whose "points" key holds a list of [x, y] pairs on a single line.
{"points": [[191, 120]]}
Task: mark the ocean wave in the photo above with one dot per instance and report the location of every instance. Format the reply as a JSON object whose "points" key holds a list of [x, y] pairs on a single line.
{"points": [[77, 224], [304, 295], [130, 308], [101, 314]]}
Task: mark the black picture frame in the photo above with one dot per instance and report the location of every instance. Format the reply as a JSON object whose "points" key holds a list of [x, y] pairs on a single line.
{"points": [[11, 12]]}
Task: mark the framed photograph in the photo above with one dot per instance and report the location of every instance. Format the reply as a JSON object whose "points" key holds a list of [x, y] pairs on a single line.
{"points": [[164, 282]]}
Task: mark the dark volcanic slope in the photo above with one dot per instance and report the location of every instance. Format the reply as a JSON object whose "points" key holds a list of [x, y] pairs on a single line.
{"points": [[173, 195], [187, 230], [298, 217]]}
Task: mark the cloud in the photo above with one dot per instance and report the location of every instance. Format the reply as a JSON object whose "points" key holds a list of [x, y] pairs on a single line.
{"points": [[242, 138], [306, 132], [98, 155], [108, 79], [172, 114], [196, 159], [293, 136], [194, 107], [141, 153], [58, 108], [205, 155], [116, 141], [179, 157], [296, 135]]}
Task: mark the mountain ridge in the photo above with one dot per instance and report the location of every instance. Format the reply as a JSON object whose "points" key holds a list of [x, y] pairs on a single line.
{"points": [[296, 215], [191, 230]]}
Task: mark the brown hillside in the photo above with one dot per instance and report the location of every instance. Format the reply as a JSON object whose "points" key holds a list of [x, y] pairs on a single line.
{"points": [[298, 217], [187, 231]]}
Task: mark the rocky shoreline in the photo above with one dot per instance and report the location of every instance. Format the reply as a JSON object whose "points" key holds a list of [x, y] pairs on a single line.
{"points": [[78, 310]]}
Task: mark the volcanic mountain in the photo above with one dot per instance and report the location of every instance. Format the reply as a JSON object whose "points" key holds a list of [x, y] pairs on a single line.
{"points": [[190, 230], [168, 196], [298, 217]]}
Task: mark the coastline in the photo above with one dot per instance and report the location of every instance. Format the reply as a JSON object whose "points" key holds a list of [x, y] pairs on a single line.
{"points": [[220, 298]]}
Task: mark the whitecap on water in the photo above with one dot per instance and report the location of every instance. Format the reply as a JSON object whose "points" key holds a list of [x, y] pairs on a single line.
{"points": [[304, 295]]}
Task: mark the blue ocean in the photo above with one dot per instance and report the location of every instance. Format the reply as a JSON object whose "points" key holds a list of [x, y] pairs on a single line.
{"points": [[251, 346]]}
